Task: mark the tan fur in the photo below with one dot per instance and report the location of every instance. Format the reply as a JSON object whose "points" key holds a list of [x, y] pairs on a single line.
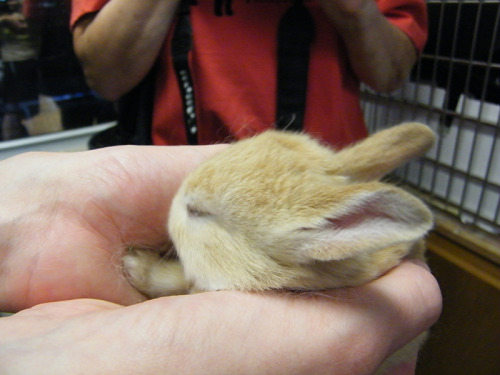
{"points": [[153, 274], [281, 211]]}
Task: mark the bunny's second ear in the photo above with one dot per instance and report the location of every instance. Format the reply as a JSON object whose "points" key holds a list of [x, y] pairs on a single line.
{"points": [[379, 154], [369, 221]]}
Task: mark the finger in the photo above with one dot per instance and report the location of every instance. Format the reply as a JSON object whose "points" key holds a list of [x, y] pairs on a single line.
{"points": [[347, 330], [414, 300], [385, 314], [350, 330]]}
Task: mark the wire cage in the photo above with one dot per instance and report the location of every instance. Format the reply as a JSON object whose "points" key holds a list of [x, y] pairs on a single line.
{"points": [[455, 89]]}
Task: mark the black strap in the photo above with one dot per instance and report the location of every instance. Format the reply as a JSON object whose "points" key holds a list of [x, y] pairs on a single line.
{"points": [[182, 43], [295, 35]]}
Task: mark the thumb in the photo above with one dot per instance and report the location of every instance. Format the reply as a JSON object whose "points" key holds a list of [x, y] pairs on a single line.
{"points": [[410, 302]]}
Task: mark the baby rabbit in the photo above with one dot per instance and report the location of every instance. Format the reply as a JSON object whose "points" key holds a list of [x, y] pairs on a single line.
{"points": [[281, 211]]}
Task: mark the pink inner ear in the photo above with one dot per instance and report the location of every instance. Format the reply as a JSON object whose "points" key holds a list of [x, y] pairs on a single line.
{"points": [[368, 211], [370, 221]]}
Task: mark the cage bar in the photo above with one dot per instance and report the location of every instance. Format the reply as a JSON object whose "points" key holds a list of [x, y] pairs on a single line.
{"points": [[455, 89]]}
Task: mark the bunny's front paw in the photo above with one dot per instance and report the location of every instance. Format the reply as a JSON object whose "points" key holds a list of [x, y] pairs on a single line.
{"points": [[152, 275]]}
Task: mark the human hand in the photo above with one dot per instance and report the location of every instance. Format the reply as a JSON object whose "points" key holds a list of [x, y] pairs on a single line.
{"points": [[346, 331], [68, 218], [380, 53]]}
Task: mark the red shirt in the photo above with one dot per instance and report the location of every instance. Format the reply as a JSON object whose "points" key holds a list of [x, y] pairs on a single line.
{"points": [[233, 66]]}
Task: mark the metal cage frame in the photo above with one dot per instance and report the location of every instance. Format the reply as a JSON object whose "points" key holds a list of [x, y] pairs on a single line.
{"points": [[455, 89]]}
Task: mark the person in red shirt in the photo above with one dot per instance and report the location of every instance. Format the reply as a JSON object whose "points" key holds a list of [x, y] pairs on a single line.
{"points": [[233, 61]]}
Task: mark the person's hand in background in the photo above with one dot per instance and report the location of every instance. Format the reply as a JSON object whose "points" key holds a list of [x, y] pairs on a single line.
{"points": [[380, 54]]}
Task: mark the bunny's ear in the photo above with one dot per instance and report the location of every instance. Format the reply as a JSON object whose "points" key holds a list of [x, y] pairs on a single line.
{"points": [[368, 221], [377, 155]]}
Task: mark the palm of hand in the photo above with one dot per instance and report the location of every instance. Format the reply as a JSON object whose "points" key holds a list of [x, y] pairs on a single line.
{"points": [[76, 217]]}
